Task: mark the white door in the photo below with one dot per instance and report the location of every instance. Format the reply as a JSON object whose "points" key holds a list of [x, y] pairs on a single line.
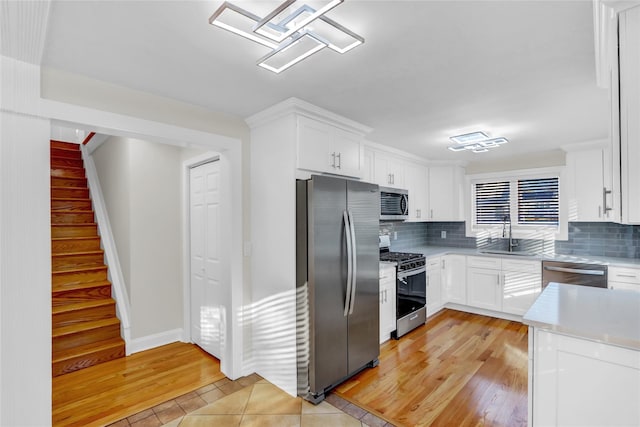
{"points": [[207, 317]]}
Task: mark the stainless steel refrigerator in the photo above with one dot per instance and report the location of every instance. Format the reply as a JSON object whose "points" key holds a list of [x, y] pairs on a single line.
{"points": [[337, 282]]}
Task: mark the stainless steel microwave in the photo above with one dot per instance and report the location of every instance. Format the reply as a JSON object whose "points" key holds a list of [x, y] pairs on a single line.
{"points": [[394, 204]]}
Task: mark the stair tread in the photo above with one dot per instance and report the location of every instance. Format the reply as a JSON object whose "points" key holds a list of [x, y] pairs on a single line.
{"points": [[72, 212], [86, 349], [68, 239], [96, 252], [79, 224], [57, 309], [80, 286], [81, 269], [66, 167], [83, 326]]}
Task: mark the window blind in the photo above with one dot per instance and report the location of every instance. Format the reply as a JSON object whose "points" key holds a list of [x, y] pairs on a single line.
{"points": [[538, 201], [492, 202]]}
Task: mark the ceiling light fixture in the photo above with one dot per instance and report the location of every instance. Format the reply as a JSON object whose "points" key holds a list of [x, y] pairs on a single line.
{"points": [[476, 142], [292, 32]]}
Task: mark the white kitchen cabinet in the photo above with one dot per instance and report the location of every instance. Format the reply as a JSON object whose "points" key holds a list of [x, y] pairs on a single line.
{"points": [[522, 283], [387, 300], [454, 279], [484, 283], [445, 193], [578, 382], [326, 148], [629, 70], [416, 181], [589, 186], [388, 170], [623, 278], [434, 286]]}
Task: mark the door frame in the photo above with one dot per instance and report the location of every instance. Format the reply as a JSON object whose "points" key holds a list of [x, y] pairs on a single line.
{"points": [[187, 165]]}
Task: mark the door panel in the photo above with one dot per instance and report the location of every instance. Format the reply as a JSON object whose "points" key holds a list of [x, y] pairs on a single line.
{"points": [[363, 201], [327, 282]]}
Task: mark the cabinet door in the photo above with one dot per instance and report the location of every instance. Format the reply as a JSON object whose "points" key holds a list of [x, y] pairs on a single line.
{"points": [[484, 288], [444, 193], [387, 301], [587, 185], [454, 279], [347, 146], [520, 291], [629, 33], [388, 170], [314, 146], [626, 286], [416, 181], [434, 286]]}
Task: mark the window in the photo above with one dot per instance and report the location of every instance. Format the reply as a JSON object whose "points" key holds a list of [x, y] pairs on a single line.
{"points": [[531, 203]]}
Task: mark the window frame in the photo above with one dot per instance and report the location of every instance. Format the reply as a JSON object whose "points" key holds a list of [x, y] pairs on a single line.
{"points": [[519, 231]]}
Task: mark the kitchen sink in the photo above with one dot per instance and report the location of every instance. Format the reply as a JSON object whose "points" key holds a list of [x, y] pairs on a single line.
{"points": [[502, 252]]}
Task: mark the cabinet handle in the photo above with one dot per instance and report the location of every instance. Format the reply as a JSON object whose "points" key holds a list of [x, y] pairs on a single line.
{"points": [[443, 264], [605, 208], [626, 275], [385, 295], [339, 157], [333, 161], [418, 213], [393, 178], [431, 213], [389, 179]]}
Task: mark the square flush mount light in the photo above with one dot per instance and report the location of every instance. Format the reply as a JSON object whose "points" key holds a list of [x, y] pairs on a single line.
{"points": [[292, 31], [477, 142]]}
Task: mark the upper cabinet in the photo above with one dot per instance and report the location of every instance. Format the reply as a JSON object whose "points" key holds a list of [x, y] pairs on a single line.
{"points": [[445, 193], [326, 148], [589, 185], [388, 170], [629, 79], [416, 179]]}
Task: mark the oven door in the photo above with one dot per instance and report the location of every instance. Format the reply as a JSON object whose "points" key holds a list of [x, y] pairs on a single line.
{"points": [[412, 291]]}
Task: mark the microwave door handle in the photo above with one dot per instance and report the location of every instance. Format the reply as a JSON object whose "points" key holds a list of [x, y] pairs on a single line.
{"points": [[347, 235], [354, 255]]}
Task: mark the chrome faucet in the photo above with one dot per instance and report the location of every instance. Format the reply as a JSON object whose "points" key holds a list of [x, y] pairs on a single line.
{"points": [[512, 242]]}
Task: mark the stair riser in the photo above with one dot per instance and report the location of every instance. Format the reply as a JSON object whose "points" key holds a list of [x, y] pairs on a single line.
{"points": [[85, 361], [74, 231], [71, 205], [72, 218], [85, 337], [70, 193], [75, 245], [59, 280], [64, 145], [68, 173], [66, 154], [84, 315], [68, 262], [68, 182], [80, 295], [58, 162]]}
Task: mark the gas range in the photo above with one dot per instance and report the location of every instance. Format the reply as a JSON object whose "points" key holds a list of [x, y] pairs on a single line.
{"points": [[404, 260]]}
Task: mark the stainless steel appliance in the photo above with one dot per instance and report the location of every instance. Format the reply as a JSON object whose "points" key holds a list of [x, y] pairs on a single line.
{"points": [[394, 204], [411, 284], [337, 281], [573, 273]]}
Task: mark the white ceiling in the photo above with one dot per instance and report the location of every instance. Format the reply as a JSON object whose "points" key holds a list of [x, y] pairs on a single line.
{"points": [[427, 70]]}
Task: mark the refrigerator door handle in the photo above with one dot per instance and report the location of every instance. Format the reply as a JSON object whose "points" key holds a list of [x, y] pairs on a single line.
{"points": [[354, 255], [347, 235]]}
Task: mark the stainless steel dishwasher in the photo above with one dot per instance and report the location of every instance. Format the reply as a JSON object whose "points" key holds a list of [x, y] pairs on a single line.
{"points": [[573, 273]]}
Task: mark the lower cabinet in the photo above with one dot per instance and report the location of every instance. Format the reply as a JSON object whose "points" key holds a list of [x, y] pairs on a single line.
{"points": [[522, 283], [387, 300], [434, 286], [484, 288], [624, 278], [454, 279]]}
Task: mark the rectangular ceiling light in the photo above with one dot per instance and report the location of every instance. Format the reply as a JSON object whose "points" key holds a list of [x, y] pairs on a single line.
{"points": [[239, 21], [266, 26], [469, 137], [301, 46], [337, 37]]}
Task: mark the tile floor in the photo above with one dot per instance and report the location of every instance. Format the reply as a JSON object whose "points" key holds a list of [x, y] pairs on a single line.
{"points": [[247, 402]]}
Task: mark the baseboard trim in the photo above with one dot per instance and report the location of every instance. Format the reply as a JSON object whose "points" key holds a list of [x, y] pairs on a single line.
{"points": [[156, 340]]}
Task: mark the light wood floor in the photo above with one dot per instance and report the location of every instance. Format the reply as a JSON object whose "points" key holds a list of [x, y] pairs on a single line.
{"points": [[459, 369], [108, 392]]}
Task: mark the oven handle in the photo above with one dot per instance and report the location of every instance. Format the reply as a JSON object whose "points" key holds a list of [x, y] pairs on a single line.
{"points": [[403, 274], [354, 255], [575, 270], [347, 235]]}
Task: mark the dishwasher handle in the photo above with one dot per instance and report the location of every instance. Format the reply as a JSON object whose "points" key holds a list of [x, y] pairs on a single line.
{"points": [[575, 270]]}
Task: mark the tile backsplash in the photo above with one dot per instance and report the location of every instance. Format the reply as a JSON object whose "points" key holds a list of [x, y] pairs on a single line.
{"points": [[585, 238]]}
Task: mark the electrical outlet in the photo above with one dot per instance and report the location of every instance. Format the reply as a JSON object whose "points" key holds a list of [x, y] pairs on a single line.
{"points": [[395, 235], [443, 234]]}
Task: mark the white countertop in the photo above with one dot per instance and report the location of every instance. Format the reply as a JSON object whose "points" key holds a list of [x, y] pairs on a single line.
{"points": [[602, 315]]}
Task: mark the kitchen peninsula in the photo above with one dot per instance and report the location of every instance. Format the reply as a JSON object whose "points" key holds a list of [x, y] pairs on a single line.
{"points": [[584, 357]]}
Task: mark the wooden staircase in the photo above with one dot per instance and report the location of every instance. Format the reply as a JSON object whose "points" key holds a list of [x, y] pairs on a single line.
{"points": [[86, 330]]}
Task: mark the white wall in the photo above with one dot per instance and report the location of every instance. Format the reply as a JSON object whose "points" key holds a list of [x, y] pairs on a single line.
{"points": [[527, 161]]}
